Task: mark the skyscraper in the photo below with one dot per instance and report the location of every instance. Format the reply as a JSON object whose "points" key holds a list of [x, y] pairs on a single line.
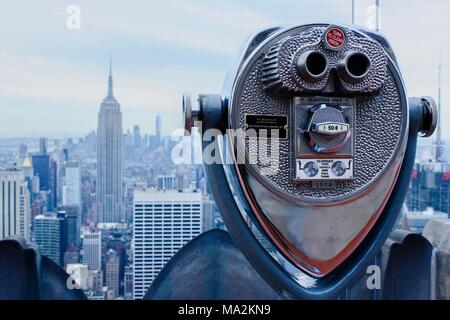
{"points": [[128, 283], [72, 216], [46, 169], [53, 184], [208, 214], [165, 182], [49, 236], [72, 185], [137, 140], [27, 167], [71, 256], [158, 123], [162, 223], [41, 168], [43, 145], [64, 234], [112, 271], [14, 205], [92, 250], [109, 158]]}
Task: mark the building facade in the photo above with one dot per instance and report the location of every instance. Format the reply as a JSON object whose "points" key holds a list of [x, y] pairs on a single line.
{"points": [[41, 168], [430, 187], [73, 225], [109, 159], [166, 182], [163, 222], [48, 234], [15, 217], [92, 250], [71, 190], [112, 272], [128, 283]]}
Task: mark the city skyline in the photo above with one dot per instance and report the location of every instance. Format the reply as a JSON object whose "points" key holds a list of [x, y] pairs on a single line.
{"points": [[156, 64], [96, 186]]}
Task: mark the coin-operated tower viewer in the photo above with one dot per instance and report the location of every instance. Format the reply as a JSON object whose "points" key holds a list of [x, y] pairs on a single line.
{"points": [[314, 145], [328, 104]]}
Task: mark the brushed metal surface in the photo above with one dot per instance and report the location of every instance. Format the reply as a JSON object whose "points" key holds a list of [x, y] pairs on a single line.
{"points": [[318, 227]]}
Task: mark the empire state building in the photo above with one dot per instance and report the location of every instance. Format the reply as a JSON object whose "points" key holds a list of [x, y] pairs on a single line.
{"points": [[109, 158]]}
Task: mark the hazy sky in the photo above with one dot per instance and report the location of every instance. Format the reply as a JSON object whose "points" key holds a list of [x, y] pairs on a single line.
{"points": [[52, 79]]}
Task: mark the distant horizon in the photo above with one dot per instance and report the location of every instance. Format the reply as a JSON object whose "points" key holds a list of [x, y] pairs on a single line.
{"points": [[59, 135], [54, 78]]}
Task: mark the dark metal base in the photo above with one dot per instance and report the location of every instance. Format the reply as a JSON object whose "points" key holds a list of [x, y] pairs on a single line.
{"points": [[211, 267], [406, 262], [26, 275]]}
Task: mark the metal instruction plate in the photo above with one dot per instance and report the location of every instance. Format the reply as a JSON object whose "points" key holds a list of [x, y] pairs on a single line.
{"points": [[324, 138], [263, 124], [324, 169]]}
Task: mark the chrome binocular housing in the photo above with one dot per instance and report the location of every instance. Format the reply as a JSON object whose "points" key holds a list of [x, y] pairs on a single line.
{"points": [[316, 137]]}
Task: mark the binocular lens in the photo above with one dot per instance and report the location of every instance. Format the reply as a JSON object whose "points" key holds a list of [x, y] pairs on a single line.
{"points": [[312, 65], [358, 64], [316, 63], [354, 67]]}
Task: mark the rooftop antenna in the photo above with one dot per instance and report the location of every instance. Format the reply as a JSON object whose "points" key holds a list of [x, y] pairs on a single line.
{"points": [[378, 17], [439, 142], [377, 14], [353, 11], [110, 79]]}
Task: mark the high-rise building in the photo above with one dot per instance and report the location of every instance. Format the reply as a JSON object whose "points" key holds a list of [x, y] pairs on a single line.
{"points": [[65, 154], [41, 168], [112, 272], [71, 255], [166, 182], [23, 149], [137, 140], [128, 139], [64, 234], [72, 185], [72, 215], [49, 234], [15, 216], [109, 159], [208, 214], [128, 283], [27, 167], [46, 169], [43, 145], [35, 185], [92, 250], [53, 180], [429, 187], [145, 141], [162, 223], [158, 123], [87, 201], [95, 280]]}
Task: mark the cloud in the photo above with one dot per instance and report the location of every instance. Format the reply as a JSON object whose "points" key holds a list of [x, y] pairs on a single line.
{"points": [[161, 49]]}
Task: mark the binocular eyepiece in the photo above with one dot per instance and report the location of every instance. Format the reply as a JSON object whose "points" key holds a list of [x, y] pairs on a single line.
{"points": [[313, 66], [327, 135], [353, 66]]}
